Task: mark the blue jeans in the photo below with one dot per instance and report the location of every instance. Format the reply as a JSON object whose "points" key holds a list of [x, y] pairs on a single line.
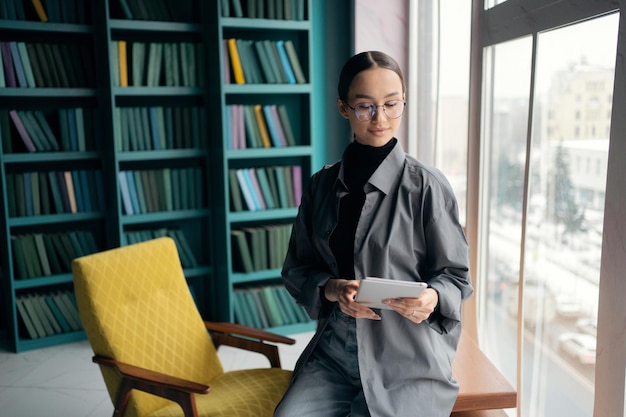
{"points": [[329, 385]]}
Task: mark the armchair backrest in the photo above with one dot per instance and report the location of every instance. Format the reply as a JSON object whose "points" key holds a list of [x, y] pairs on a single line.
{"points": [[136, 307]]}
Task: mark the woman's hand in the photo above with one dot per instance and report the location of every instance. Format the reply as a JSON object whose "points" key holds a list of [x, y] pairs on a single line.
{"points": [[415, 309], [343, 292]]}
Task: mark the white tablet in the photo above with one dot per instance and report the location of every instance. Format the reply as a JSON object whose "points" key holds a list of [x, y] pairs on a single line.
{"points": [[373, 290]]}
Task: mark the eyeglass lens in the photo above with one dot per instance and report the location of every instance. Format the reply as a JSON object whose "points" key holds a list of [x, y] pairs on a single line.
{"points": [[392, 109]]}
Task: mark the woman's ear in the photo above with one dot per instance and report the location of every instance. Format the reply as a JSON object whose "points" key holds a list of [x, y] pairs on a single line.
{"points": [[342, 108]]}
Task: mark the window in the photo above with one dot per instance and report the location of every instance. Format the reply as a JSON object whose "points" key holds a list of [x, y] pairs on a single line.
{"points": [[540, 221]]}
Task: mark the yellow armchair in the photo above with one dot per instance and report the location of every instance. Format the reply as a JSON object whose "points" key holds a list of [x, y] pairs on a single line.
{"points": [[155, 353]]}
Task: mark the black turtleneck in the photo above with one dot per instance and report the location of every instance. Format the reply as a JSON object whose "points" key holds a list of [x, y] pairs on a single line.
{"points": [[360, 162]]}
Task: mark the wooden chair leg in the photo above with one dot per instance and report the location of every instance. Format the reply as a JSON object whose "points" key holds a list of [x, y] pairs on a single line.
{"points": [[121, 400]]}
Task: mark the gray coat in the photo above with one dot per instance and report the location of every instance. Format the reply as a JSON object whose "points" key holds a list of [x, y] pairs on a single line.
{"points": [[408, 230]]}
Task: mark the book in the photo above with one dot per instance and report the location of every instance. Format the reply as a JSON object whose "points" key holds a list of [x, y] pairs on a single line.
{"points": [[43, 254], [26, 64], [132, 190], [242, 257], [122, 60], [71, 193], [253, 136], [266, 66], [21, 130], [55, 190], [34, 131], [262, 127], [236, 62], [273, 126], [35, 65], [296, 174], [28, 322], [253, 185], [138, 59], [270, 303], [235, 191], [115, 63], [7, 63], [284, 60], [295, 62], [51, 253], [36, 317], [279, 177], [73, 134], [60, 318], [17, 64], [50, 322], [286, 124], [5, 130], [68, 309], [81, 139], [126, 200], [51, 140], [246, 190], [265, 189], [78, 190], [287, 172], [19, 258]]}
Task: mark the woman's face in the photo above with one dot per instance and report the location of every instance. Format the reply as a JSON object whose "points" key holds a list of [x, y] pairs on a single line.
{"points": [[376, 86]]}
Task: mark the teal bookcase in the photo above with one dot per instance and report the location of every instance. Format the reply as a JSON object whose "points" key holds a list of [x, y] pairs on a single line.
{"points": [[96, 155]]}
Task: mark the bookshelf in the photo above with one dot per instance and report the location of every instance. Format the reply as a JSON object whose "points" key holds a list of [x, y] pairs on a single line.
{"points": [[167, 134], [268, 152]]}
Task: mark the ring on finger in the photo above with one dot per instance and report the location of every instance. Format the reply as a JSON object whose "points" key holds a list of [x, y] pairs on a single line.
{"points": [[412, 313]]}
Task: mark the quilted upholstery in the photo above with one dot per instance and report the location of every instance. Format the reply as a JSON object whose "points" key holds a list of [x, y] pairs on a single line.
{"points": [[136, 308]]}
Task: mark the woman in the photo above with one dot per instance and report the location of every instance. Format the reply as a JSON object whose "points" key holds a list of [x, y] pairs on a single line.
{"points": [[377, 212]]}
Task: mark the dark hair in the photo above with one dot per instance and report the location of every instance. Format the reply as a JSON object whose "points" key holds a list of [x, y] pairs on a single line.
{"points": [[364, 61]]}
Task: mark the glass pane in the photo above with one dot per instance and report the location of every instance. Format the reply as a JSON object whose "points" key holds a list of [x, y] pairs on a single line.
{"points": [[504, 136], [453, 81], [570, 140]]}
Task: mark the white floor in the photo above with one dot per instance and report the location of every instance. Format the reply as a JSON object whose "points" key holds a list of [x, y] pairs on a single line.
{"points": [[61, 381]]}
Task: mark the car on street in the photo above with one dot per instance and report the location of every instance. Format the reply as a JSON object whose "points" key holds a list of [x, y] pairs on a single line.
{"points": [[587, 325], [580, 346]]}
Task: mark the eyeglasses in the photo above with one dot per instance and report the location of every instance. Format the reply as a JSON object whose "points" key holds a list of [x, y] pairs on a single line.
{"points": [[365, 111]]}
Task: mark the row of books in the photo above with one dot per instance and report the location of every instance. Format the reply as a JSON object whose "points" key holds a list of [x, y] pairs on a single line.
{"points": [[44, 315], [161, 10], [262, 61], [265, 188], [187, 257], [36, 193], [155, 64], [264, 9], [156, 128], [60, 11], [258, 126], [30, 65], [267, 306], [43, 254], [167, 189], [258, 248], [66, 129]]}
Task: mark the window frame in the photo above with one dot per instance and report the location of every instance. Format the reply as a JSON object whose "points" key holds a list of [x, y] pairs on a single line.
{"points": [[507, 21]]}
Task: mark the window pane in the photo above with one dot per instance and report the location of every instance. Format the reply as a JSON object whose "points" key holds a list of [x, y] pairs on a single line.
{"points": [[503, 141], [571, 121], [453, 80]]}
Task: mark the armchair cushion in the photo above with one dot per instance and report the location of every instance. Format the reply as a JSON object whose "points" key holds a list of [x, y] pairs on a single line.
{"points": [[244, 393]]}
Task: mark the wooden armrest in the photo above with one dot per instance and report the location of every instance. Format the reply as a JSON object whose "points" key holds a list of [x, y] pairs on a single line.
{"points": [[481, 385], [175, 389], [240, 336], [147, 376], [247, 331]]}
